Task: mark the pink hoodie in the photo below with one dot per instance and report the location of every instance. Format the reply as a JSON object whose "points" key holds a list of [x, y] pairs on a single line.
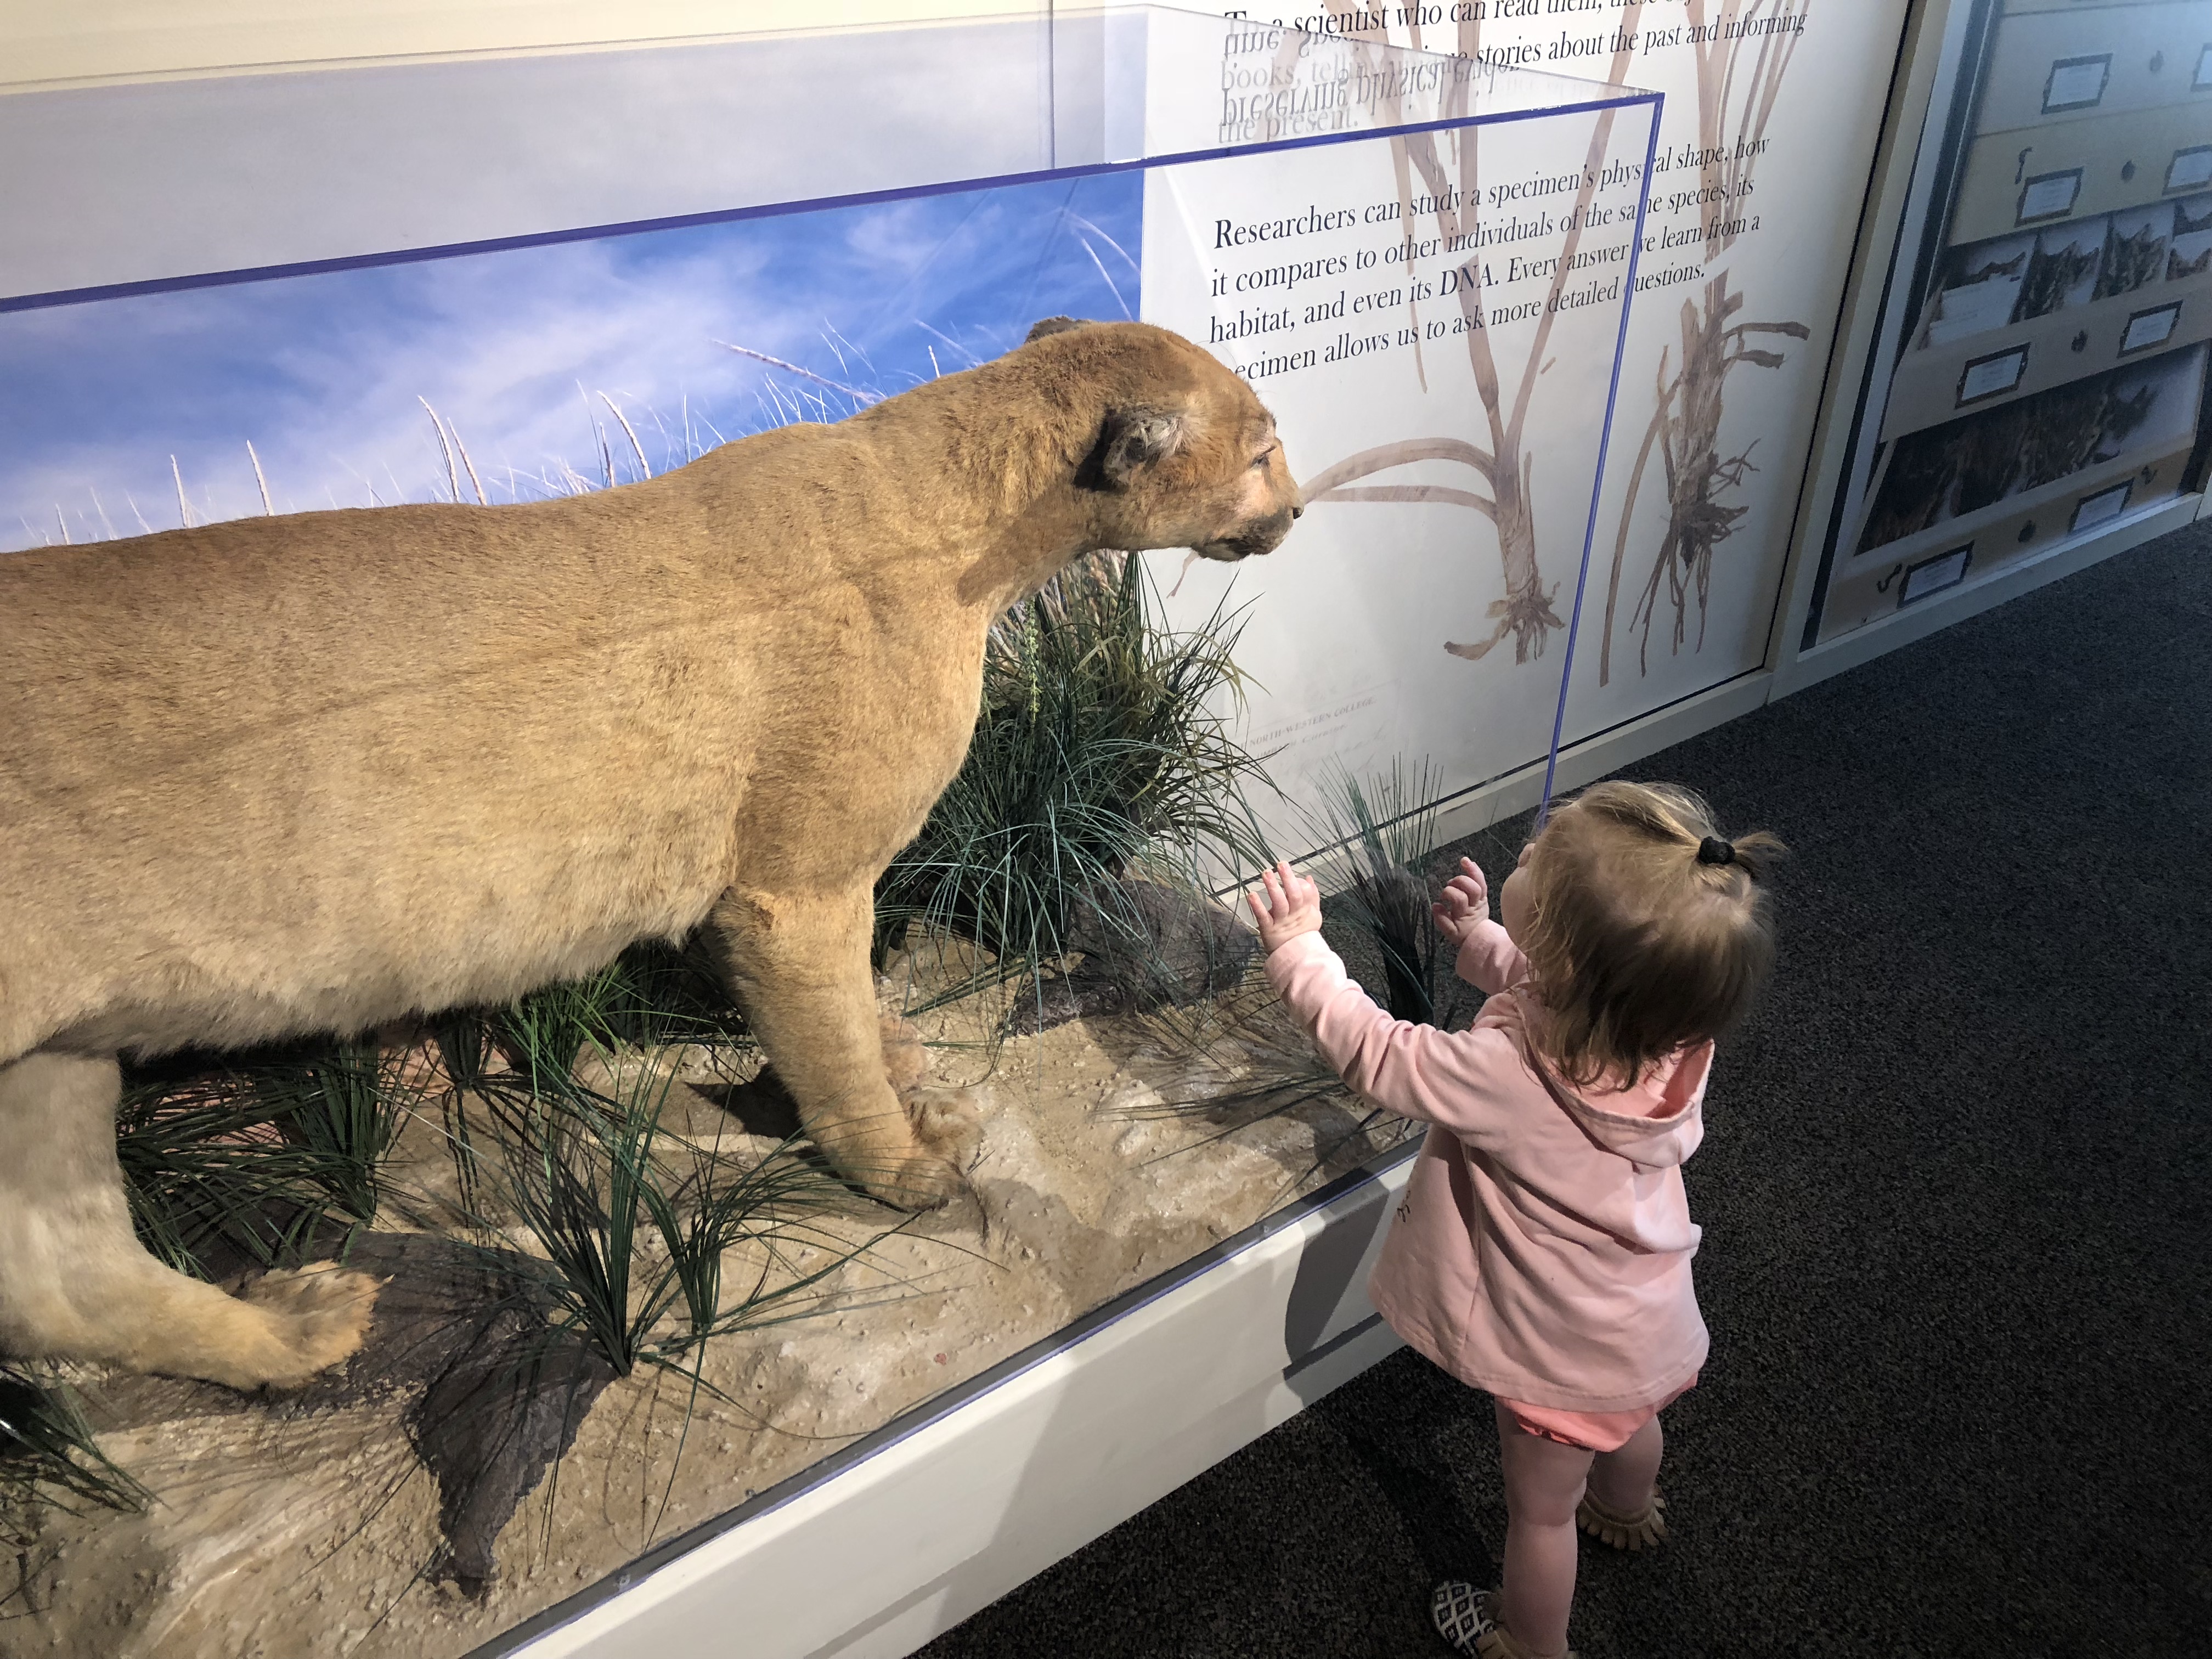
{"points": [[1542, 1249]]}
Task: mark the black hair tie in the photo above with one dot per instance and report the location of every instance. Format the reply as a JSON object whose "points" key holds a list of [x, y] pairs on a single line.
{"points": [[1713, 850]]}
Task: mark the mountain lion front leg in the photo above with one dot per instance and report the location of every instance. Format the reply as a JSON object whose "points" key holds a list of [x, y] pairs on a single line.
{"points": [[76, 1284], [801, 968]]}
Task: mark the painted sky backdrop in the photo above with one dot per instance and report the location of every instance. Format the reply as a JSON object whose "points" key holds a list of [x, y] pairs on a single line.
{"points": [[520, 352]]}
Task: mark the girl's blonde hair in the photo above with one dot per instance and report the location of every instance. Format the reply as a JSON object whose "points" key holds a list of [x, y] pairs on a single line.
{"points": [[1646, 929]]}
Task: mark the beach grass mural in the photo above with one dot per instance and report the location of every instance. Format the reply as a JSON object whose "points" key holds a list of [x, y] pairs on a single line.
{"points": [[521, 374]]}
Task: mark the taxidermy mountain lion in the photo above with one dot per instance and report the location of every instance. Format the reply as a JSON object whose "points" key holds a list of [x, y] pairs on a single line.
{"points": [[284, 776]]}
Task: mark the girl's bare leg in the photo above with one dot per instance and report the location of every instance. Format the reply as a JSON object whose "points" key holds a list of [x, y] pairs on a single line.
{"points": [[1623, 1479], [1544, 1481]]}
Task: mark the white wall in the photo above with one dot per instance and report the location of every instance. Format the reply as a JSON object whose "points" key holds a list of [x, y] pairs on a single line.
{"points": [[43, 42]]}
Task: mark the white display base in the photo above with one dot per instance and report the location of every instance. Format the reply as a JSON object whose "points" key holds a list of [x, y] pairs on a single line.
{"points": [[1603, 753], [884, 1546]]}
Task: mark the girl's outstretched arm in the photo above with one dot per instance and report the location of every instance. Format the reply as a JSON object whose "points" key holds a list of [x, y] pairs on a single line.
{"points": [[1460, 1080], [1486, 957]]}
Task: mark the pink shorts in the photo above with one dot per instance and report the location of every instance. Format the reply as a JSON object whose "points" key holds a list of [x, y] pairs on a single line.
{"points": [[1596, 1431]]}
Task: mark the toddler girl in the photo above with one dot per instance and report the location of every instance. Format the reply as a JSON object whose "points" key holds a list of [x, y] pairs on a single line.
{"points": [[1542, 1250]]}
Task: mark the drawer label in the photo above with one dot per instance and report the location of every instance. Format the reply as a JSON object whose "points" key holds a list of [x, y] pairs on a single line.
{"points": [[2052, 195], [2076, 83], [1934, 575], [2203, 81], [2102, 507], [1993, 375], [2150, 328], [2191, 168]]}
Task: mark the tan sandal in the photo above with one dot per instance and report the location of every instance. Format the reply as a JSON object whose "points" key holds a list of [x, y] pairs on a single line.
{"points": [[1644, 1530], [1468, 1618], [1500, 1642]]}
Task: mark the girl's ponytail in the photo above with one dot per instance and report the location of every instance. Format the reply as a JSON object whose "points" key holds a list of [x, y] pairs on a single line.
{"points": [[1755, 855]]}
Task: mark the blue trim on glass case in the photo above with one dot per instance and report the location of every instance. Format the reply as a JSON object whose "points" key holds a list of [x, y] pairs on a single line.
{"points": [[773, 209]]}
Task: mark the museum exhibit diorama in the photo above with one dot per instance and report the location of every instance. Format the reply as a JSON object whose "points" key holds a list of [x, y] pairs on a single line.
{"points": [[2044, 378], [630, 682]]}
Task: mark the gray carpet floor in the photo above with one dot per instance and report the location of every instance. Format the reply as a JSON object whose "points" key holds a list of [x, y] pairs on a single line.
{"points": [[1957, 1196]]}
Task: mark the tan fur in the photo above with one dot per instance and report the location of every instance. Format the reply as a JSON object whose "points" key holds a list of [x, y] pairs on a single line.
{"points": [[313, 772]]}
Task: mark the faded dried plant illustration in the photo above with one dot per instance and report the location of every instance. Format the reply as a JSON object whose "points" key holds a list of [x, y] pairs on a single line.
{"points": [[1435, 169], [1989, 457], [1743, 53], [2131, 261], [1915, 492], [1991, 269], [2053, 274], [2179, 266], [1743, 50]]}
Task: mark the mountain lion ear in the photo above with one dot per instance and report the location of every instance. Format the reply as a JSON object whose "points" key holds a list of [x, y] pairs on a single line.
{"points": [[1054, 325], [1132, 438]]}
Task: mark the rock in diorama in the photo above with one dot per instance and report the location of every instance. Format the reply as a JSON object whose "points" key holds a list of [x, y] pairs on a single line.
{"points": [[261, 778]]}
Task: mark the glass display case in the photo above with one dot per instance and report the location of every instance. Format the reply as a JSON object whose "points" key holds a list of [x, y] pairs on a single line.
{"points": [[497, 281]]}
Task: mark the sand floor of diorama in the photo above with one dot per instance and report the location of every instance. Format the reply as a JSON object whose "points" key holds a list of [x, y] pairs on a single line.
{"points": [[279, 1530]]}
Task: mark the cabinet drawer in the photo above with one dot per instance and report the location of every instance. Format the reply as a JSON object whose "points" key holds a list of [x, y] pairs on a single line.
{"points": [[2069, 65], [2031, 311], [2073, 169], [2012, 531], [1939, 384], [1962, 473]]}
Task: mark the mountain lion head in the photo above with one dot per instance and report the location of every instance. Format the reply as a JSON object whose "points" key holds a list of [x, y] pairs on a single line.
{"points": [[1183, 453]]}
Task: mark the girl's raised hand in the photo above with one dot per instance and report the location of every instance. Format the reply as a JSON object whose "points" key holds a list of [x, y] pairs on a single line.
{"points": [[1465, 905], [1291, 907]]}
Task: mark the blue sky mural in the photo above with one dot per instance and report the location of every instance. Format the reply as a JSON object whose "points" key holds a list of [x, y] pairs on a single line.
{"points": [[527, 355]]}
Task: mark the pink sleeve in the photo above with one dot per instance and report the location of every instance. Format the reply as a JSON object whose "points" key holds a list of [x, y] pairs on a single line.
{"points": [[1490, 960], [1459, 1080]]}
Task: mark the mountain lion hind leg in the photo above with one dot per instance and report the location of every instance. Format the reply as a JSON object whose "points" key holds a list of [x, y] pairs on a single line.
{"points": [[76, 1284]]}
